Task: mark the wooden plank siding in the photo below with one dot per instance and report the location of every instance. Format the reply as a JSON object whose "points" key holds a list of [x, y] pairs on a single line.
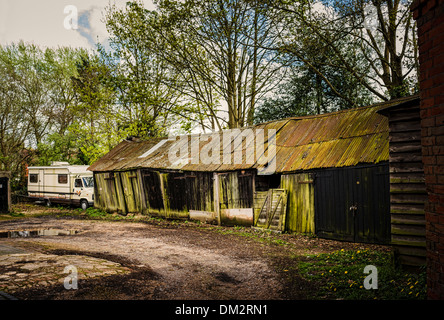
{"points": [[129, 181], [105, 196], [353, 203], [408, 193], [300, 202], [174, 194], [235, 191], [118, 192]]}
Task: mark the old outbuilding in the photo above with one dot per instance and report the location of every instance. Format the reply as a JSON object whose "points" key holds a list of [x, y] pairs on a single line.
{"points": [[408, 193], [326, 174], [5, 192]]}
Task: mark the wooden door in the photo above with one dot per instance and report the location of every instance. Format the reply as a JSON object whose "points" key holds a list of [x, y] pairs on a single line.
{"points": [[353, 203]]}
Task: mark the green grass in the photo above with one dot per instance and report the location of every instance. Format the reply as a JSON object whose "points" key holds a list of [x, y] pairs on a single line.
{"points": [[340, 275], [95, 213], [12, 214]]}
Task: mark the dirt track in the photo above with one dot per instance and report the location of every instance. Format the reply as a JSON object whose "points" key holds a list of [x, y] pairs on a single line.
{"points": [[170, 260]]}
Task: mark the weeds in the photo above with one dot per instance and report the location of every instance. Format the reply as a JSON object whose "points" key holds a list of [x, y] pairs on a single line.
{"points": [[15, 214], [340, 275], [95, 213]]}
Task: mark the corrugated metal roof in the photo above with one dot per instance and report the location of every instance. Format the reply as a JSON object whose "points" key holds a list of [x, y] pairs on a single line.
{"points": [[337, 139]]}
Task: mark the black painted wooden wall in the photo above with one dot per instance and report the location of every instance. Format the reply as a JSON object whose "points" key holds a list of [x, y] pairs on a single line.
{"points": [[353, 203]]}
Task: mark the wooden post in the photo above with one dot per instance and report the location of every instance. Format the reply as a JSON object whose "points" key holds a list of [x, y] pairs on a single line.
{"points": [[164, 195], [216, 197], [142, 192]]}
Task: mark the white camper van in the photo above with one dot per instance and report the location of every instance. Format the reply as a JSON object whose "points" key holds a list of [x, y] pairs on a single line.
{"points": [[61, 183]]}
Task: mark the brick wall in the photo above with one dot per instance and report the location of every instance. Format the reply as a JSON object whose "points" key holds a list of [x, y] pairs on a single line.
{"points": [[429, 16]]}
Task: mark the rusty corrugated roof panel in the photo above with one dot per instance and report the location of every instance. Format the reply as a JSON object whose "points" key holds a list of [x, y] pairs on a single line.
{"points": [[337, 139], [124, 155]]}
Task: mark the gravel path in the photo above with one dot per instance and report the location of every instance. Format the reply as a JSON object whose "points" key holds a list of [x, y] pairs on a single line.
{"points": [[153, 260], [189, 264]]}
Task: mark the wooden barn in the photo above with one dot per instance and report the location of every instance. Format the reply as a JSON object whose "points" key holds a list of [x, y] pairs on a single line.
{"points": [[5, 191], [408, 193], [326, 174]]}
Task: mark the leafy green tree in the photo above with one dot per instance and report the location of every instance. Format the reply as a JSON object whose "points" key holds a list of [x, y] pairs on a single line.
{"points": [[46, 115], [305, 93], [14, 125], [223, 44], [60, 147], [62, 66], [148, 105], [94, 125], [31, 75]]}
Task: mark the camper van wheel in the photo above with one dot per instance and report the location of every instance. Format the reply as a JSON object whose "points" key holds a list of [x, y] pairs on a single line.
{"points": [[84, 204], [47, 202]]}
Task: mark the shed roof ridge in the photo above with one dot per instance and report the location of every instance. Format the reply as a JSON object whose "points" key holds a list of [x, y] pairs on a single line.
{"points": [[381, 104]]}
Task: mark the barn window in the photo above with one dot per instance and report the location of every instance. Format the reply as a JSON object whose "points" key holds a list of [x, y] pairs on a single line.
{"points": [[62, 178], [33, 178], [265, 182]]}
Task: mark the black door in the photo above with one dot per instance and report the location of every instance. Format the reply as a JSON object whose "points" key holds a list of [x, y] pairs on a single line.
{"points": [[3, 194], [153, 191], [372, 205], [353, 203]]}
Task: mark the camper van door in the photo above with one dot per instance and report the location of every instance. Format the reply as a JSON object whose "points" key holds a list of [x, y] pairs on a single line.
{"points": [[41, 182], [77, 188]]}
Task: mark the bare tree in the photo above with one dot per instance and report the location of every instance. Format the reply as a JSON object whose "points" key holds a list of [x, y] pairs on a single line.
{"points": [[382, 31], [220, 49]]}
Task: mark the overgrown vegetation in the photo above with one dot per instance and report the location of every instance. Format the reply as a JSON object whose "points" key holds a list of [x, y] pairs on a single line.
{"points": [[340, 275]]}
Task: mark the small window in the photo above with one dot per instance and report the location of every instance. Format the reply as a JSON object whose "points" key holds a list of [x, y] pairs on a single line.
{"points": [[78, 183], [62, 178], [88, 182], [33, 178]]}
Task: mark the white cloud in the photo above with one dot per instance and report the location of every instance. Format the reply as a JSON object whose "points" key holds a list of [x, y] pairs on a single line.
{"points": [[42, 22]]}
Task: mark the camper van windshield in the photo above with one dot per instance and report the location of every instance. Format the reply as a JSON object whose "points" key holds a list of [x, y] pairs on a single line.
{"points": [[88, 182]]}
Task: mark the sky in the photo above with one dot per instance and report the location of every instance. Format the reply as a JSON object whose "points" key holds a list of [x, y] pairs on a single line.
{"points": [[42, 22]]}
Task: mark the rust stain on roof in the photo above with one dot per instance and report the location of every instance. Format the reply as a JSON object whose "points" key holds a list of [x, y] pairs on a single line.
{"points": [[337, 139]]}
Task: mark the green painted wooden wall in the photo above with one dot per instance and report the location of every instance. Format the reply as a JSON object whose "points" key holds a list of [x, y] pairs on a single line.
{"points": [[118, 192], [300, 202]]}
